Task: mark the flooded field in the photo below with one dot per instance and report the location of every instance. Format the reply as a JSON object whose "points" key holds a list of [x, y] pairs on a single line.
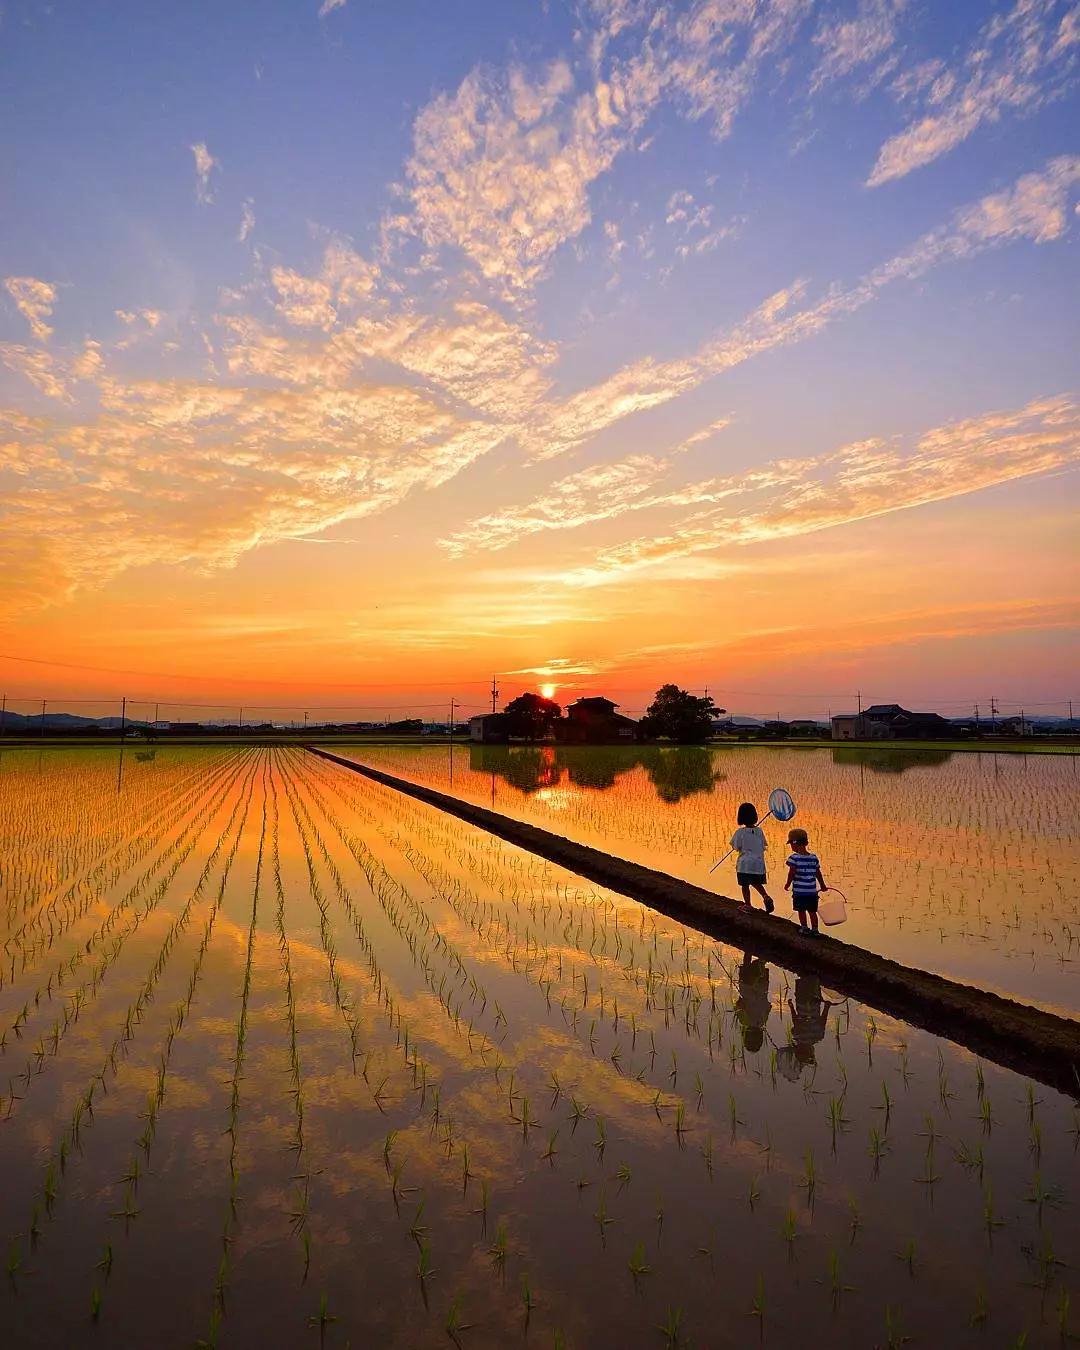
{"points": [[964, 864], [288, 1059]]}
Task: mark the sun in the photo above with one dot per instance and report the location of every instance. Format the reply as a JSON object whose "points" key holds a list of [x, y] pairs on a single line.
{"points": [[548, 690]]}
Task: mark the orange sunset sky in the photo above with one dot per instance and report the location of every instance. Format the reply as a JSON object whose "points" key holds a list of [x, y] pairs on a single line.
{"points": [[594, 345]]}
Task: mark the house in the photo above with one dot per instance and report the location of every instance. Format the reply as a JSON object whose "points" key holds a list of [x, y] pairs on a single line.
{"points": [[807, 726], [595, 720], [489, 729], [890, 722]]}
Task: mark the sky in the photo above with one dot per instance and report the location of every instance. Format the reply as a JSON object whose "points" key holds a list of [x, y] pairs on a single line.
{"points": [[351, 354]]}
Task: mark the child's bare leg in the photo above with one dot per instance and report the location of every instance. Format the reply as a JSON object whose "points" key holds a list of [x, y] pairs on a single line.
{"points": [[760, 888], [746, 895], [802, 918], [813, 920]]}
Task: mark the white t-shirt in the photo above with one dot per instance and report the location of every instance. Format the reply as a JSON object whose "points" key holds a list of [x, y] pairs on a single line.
{"points": [[749, 842]]}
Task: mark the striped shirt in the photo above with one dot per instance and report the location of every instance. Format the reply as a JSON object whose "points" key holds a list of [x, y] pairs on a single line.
{"points": [[806, 867]]}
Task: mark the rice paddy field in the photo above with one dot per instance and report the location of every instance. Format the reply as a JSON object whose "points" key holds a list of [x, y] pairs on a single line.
{"points": [[288, 1059], [964, 864]]}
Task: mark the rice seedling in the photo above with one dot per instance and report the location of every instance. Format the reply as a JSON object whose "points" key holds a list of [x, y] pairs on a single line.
{"points": [[671, 1327], [637, 1265]]}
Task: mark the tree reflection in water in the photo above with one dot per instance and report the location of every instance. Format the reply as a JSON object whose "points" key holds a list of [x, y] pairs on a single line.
{"points": [[676, 771]]}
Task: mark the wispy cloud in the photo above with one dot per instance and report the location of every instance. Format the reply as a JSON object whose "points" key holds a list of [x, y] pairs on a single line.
{"points": [[328, 6], [247, 221], [501, 168], [205, 164], [857, 483], [1019, 61], [865, 39], [1036, 207], [34, 300]]}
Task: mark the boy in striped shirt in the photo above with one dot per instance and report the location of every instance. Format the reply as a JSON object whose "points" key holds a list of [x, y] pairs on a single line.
{"points": [[804, 879]]}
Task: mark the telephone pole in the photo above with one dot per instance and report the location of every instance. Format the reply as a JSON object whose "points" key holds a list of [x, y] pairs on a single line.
{"points": [[42, 719], [123, 718], [453, 705], [3, 713], [241, 721], [494, 693], [993, 715], [858, 720]]}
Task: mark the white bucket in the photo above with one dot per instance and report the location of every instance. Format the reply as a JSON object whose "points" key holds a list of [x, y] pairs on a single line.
{"points": [[831, 908]]}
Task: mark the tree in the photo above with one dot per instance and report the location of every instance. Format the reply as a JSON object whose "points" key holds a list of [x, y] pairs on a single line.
{"points": [[678, 715], [531, 716]]}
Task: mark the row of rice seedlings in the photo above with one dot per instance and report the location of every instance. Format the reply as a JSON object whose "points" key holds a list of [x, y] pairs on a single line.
{"points": [[424, 1085], [221, 1282], [178, 850], [49, 1043], [83, 1113], [94, 840], [139, 1159], [77, 898], [300, 1214]]}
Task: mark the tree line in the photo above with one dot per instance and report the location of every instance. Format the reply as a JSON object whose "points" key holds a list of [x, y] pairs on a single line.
{"points": [[674, 715]]}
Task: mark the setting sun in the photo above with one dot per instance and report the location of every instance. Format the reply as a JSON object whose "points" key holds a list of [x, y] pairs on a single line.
{"points": [[548, 690]]}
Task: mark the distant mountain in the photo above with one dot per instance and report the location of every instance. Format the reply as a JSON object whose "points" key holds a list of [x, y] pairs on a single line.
{"points": [[13, 721]]}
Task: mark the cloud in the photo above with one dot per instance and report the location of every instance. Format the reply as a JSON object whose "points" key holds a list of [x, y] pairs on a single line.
{"points": [[846, 44], [178, 471], [501, 169], [581, 499], [858, 483], [344, 281], [40, 368], [1036, 207], [205, 163], [247, 221], [1019, 60], [34, 300], [328, 7], [696, 57]]}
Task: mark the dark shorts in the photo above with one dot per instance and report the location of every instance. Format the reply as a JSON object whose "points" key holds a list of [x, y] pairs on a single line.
{"points": [[750, 878], [807, 902]]}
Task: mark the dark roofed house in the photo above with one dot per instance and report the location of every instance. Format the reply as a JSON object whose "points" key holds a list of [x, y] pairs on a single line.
{"points": [[889, 721], [595, 720], [489, 728]]}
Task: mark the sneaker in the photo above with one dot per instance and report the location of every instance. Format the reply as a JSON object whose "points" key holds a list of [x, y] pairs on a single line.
{"points": [[769, 906]]}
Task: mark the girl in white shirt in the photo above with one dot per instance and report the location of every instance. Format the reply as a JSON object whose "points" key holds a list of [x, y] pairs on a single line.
{"points": [[749, 843]]}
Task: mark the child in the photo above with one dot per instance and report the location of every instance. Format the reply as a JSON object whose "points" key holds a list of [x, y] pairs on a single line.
{"points": [[749, 842], [804, 879]]}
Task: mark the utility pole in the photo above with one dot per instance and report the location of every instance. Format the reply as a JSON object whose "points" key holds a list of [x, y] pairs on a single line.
{"points": [[157, 709], [494, 694], [3, 713], [993, 715], [976, 719], [858, 720], [305, 722], [241, 721], [123, 718], [1070, 715], [42, 719], [453, 705]]}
